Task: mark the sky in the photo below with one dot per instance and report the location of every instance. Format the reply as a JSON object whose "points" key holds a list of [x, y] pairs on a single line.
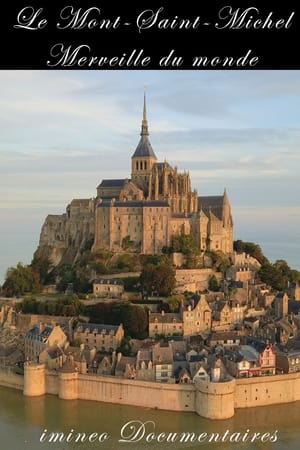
{"points": [[62, 132]]}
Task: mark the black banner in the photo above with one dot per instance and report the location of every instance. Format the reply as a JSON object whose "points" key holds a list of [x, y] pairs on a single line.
{"points": [[154, 35]]}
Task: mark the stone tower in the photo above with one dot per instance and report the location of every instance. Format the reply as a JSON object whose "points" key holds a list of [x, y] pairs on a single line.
{"points": [[144, 157]]}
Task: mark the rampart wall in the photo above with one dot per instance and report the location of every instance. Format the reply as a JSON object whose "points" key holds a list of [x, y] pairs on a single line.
{"points": [[208, 399]]}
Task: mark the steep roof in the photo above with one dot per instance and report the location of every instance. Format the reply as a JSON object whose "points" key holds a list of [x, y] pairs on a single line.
{"points": [[144, 148], [113, 183], [212, 204]]}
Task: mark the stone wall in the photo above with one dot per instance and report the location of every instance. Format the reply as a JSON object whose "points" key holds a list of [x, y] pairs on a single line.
{"points": [[210, 400], [194, 279], [10, 379], [25, 321], [270, 390]]}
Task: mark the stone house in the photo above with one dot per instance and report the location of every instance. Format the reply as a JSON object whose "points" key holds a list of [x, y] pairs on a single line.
{"points": [[281, 303], [125, 367], [144, 365], [237, 312], [200, 374], [243, 362], [258, 359], [225, 339], [286, 330], [218, 372], [104, 366], [222, 314], [196, 361], [41, 337], [288, 362], [108, 287], [106, 338], [53, 357], [167, 324], [267, 332], [163, 362], [197, 317]]}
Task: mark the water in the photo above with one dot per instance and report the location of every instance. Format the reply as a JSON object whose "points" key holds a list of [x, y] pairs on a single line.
{"points": [[23, 421]]}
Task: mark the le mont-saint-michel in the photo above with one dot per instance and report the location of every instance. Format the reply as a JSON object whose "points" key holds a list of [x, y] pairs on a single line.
{"points": [[201, 331]]}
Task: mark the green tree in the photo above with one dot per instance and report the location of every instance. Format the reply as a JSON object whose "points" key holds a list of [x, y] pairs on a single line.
{"points": [[251, 249], [21, 279], [160, 278], [213, 283], [125, 346], [272, 275], [186, 244], [67, 275], [43, 266], [174, 302], [135, 321]]}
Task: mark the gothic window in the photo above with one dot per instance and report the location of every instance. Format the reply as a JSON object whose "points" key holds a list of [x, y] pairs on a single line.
{"points": [[145, 165], [137, 165], [141, 165]]}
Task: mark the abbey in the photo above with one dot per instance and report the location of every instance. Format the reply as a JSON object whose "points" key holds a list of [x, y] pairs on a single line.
{"points": [[140, 214], [156, 203]]}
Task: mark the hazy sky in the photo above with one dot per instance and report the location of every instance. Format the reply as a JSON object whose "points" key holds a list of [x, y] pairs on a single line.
{"points": [[61, 132]]}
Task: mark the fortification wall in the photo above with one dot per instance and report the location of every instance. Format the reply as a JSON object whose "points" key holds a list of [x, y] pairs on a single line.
{"points": [[194, 279], [52, 382], [209, 400], [138, 393], [269, 390], [10, 379], [215, 400]]}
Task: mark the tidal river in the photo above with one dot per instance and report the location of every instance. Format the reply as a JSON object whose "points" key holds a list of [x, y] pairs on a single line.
{"points": [[50, 423]]}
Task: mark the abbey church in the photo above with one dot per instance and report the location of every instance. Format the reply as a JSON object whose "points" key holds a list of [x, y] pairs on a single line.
{"points": [[141, 213]]}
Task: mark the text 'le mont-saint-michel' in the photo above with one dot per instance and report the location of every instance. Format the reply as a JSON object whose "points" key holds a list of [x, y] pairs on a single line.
{"points": [[93, 18]]}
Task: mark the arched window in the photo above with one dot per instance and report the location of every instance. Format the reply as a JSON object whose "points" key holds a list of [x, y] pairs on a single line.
{"points": [[137, 165], [145, 165]]}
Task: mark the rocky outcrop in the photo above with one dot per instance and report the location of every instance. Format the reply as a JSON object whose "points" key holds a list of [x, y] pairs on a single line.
{"points": [[64, 236]]}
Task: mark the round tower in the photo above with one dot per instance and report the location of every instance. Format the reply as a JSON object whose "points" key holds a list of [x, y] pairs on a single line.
{"points": [[68, 380], [215, 400], [34, 379]]}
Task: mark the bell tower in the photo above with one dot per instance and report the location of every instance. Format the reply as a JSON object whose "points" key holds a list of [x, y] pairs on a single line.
{"points": [[144, 157]]}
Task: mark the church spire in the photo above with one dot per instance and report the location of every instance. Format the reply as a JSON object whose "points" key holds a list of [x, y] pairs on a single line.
{"points": [[144, 129]]}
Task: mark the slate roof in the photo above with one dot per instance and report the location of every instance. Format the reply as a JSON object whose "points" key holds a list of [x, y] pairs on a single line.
{"points": [[98, 327], [140, 204], [113, 183], [212, 204], [121, 365], [54, 352], [37, 334], [162, 354], [165, 318], [248, 353], [144, 148], [108, 281]]}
